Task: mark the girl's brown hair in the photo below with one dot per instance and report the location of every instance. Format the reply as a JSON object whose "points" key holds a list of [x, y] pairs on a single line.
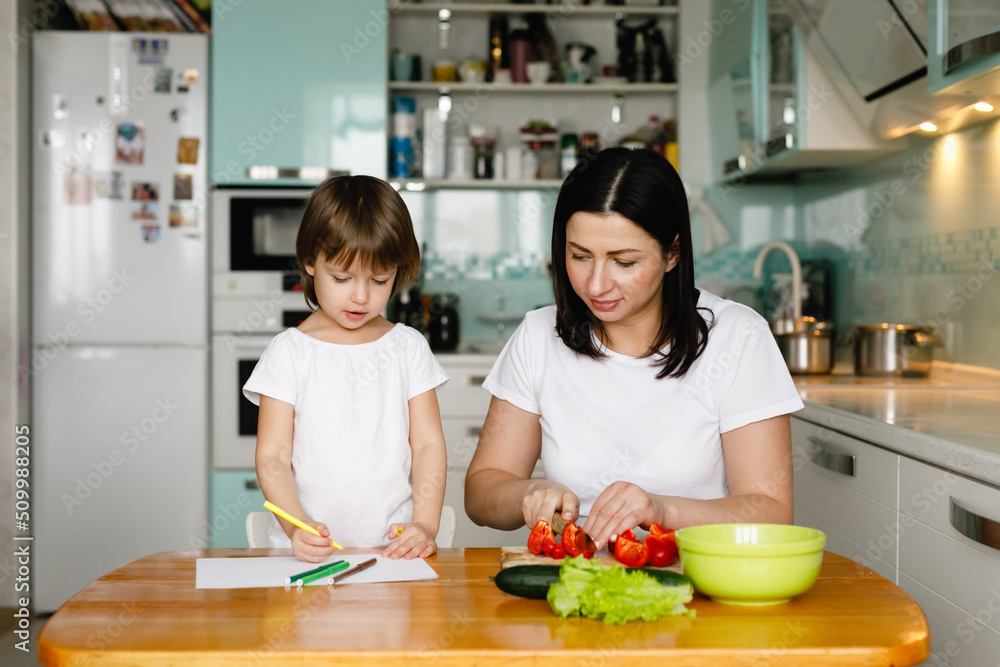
{"points": [[357, 216]]}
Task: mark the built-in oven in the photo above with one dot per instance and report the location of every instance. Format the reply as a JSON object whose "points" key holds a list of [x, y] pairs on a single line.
{"points": [[255, 295]]}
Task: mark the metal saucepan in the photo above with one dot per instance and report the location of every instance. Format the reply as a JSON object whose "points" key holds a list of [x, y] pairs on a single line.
{"points": [[807, 345], [899, 350]]}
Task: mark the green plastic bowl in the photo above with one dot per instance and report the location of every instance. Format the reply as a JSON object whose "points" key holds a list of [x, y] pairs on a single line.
{"points": [[751, 563]]}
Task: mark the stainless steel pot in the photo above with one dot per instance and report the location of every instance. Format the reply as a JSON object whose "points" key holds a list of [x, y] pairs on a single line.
{"points": [[897, 350], [807, 344]]}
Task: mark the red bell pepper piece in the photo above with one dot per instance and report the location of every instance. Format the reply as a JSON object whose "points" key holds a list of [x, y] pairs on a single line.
{"points": [[662, 546], [629, 551], [574, 540], [558, 553], [541, 535]]}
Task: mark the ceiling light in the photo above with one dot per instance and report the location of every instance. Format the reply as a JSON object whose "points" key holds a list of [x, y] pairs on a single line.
{"points": [[985, 107], [928, 127]]}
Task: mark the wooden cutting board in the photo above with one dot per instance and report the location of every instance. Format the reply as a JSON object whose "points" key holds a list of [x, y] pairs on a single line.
{"points": [[511, 556]]}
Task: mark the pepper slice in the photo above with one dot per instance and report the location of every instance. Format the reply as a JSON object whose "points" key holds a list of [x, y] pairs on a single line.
{"points": [[629, 551], [662, 546], [540, 537], [574, 540]]}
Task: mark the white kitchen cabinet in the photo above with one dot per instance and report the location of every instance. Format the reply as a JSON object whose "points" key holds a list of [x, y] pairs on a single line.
{"points": [[848, 489], [955, 578], [464, 404]]}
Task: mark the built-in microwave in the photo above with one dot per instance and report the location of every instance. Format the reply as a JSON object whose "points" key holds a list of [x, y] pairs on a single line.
{"points": [[254, 230]]}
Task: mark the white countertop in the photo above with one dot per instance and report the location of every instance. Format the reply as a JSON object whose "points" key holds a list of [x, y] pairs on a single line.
{"points": [[950, 419]]}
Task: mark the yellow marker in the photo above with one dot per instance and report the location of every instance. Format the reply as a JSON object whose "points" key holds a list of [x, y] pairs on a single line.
{"points": [[301, 524]]}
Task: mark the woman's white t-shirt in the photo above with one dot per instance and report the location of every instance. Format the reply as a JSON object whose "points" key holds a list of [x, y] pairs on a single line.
{"points": [[351, 455], [610, 419]]}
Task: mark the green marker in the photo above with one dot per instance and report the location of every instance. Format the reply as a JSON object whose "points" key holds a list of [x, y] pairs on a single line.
{"points": [[297, 577], [327, 571]]}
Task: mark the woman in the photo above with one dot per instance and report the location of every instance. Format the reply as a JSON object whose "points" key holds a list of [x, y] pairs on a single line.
{"points": [[648, 400]]}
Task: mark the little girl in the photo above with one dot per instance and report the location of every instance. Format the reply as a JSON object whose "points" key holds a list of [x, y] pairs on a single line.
{"points": [[349, 423]]}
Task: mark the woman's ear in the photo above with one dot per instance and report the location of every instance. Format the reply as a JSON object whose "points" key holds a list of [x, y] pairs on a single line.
{"points": [[673, 254]]}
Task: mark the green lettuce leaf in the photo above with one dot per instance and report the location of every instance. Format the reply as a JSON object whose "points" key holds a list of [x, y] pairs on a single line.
{"points": [[615, 594]]}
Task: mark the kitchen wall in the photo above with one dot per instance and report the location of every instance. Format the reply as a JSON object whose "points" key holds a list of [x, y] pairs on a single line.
{"points": [[14, 199], [911, 239]]}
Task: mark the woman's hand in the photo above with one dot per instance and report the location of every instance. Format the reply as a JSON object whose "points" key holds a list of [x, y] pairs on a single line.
{"points": [[621, 506], [414, 542], [312, 548], [545, 499]]}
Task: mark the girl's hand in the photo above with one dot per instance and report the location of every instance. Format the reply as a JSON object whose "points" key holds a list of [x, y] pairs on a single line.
{"points": [[621, 506], [415, 541], [544, 500], [311, 548]]}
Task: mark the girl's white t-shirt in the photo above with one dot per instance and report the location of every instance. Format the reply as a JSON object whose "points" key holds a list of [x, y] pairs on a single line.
{"points": [[351, 455], [610, 419]]}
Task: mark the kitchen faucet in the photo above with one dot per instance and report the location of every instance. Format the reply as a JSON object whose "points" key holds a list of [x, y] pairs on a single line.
{"points": [[796, 273]]}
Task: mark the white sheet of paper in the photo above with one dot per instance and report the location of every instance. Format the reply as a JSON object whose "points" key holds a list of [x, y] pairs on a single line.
{"points": [[272, 571]]}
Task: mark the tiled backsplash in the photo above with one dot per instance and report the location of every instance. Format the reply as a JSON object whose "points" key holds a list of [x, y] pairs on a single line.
{"points": [[913, 239]]}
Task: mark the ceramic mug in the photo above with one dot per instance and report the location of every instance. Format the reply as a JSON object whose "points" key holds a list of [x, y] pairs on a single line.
{"points": [[539, 71], [402, 66]]}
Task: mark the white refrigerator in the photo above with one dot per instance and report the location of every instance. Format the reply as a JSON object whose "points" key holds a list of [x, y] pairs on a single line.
{"points": [[118, 365]]}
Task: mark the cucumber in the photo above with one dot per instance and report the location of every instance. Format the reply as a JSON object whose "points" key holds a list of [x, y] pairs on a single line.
{"points": [[533, 581]]}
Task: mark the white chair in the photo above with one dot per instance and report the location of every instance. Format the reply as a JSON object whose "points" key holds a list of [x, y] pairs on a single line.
{"points": [[258, 523], [257, 526]]}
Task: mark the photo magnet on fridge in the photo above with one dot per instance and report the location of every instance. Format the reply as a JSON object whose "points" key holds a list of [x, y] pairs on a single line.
{"points": [[77, 185], [130, 143], [187, 150], [164, 80], [102, 184], [144, 210], [143, 191], [183, 215], [116, 185], [150, 233], [183, 186]]}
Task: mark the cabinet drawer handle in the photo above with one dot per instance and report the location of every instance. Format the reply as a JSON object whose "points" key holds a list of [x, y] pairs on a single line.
{"points": [[474, 431], [252, 485], [476, 379], [976, 528], [843, 464]]}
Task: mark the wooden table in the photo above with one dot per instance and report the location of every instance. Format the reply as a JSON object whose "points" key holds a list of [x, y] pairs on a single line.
{"points": [[149, 613]]}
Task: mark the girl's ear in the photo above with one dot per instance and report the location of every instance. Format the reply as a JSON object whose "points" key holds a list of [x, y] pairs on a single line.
{"points": [[311, 267], [673, 254]]}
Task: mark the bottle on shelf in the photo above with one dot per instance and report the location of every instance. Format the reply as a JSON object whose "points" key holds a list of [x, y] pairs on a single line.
{"points": [[499, 48], [569, 154], [404, 137]]}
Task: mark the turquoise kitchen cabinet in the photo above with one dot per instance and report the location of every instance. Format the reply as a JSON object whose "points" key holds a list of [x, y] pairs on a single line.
{"points": [[299, 88], [964, 52], [234, 495]]}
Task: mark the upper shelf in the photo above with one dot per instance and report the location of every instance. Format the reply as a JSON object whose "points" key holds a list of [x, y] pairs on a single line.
{"points": [[564, 10], [568, 88]]}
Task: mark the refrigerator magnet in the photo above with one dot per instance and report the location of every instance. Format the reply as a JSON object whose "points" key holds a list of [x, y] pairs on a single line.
{"points": [[183, 215], [150, 51], [130, 143], [116, 185], [187, 150], [102, 184], [144, 191], [60, 107], [163, 81], [143, 211], [183, 186], [77, 184], [150, 233]]}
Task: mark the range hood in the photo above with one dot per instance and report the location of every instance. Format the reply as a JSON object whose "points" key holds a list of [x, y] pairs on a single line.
{"points": [[875, 51]]}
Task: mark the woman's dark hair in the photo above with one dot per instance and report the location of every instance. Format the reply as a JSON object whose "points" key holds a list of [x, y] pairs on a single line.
{"points": [[643, 187], [357, 216]]}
